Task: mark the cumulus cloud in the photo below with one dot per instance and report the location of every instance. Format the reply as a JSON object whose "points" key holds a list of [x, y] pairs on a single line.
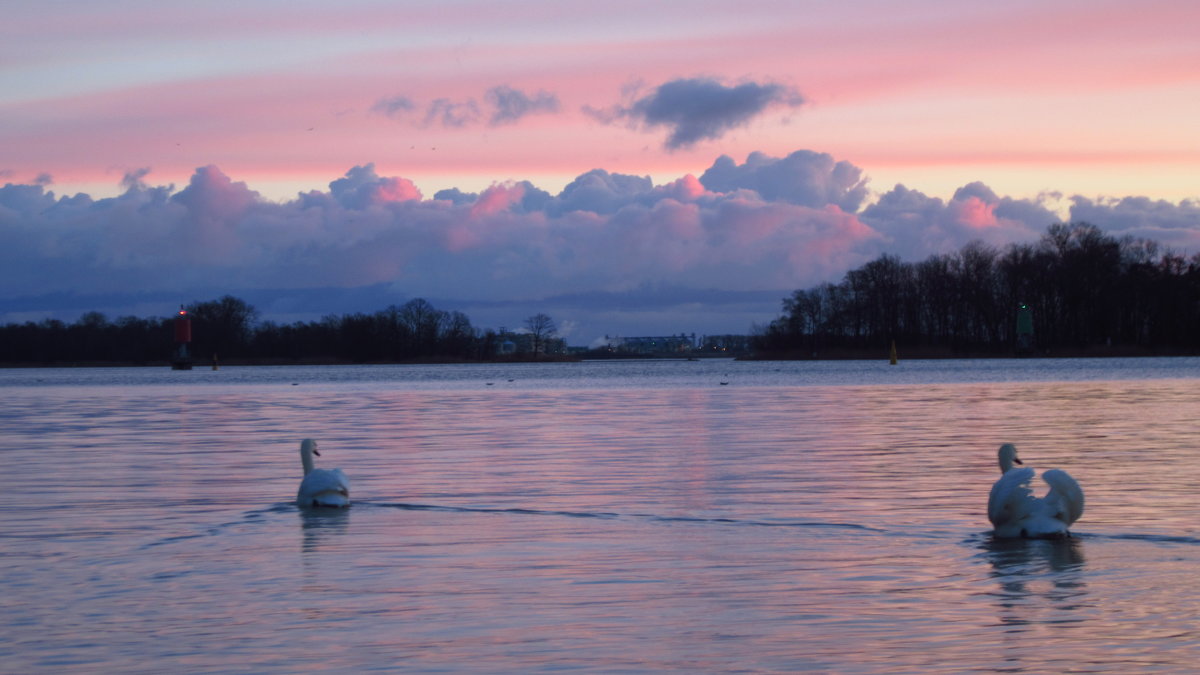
{"points": [[803, 177], [604, 233], [699, 108], [727, 245], [361, 187], [510, 105], [599, 191], [530, 197], [918, 225], [211, 195], [1174, 225], [456, 196]]}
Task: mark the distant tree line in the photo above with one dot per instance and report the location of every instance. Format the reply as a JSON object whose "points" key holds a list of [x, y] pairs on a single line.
{"points": [[1088, 293], [229, 329]]}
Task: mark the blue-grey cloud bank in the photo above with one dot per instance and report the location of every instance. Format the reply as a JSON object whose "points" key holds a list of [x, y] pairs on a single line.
{"points": [[610, 254]]}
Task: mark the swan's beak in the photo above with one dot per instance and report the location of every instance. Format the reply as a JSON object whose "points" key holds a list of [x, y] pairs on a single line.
{"points": [[1015, 459], [319, 454]]}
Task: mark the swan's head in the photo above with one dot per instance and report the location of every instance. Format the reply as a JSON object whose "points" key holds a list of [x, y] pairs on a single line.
{"points": [[1008, 457]]}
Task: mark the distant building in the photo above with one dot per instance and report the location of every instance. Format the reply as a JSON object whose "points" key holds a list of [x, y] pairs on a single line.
{"points": [[650, 345], [676, 345]]}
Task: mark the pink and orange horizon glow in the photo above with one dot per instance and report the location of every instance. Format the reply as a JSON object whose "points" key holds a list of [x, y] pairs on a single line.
{"points": [[779, 143], [1097, 99]]}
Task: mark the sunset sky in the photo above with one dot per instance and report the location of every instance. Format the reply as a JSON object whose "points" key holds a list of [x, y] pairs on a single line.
{"points": [[627, 167]]}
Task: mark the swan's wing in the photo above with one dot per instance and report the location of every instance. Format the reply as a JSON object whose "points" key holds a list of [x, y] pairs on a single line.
{"points": [[1011, 496], [336, 476], [1065, 497], [325, 485]]}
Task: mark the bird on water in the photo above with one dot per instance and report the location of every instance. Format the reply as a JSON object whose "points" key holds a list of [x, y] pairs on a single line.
{"points": [[320, 487], [1015, 512]]}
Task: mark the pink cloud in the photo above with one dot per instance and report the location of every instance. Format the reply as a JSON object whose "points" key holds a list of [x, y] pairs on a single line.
{"points": [[497, 198], [973, 212], [395, 190], [362, 187], [686, 189]]}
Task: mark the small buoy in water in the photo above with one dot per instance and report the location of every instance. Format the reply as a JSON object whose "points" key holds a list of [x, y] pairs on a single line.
{"points": [[724, 383], [490, 383]]}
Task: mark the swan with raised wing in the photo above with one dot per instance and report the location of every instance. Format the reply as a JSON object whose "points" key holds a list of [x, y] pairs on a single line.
{"points": [[1015, 512], [320, 487]]}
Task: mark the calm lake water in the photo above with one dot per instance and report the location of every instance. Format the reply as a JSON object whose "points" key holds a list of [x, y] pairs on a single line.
{"points": [[625, 517]]}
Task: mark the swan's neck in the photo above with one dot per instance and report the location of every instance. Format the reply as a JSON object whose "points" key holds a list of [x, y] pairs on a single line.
{"points": [[306, 458]]}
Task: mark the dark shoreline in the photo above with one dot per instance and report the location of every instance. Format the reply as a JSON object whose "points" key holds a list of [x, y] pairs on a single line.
{"points": [[842, 354], [933, 353], [208, 365]]}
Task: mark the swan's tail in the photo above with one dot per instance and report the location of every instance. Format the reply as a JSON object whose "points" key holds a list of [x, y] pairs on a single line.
{"points": [[330, 498]]}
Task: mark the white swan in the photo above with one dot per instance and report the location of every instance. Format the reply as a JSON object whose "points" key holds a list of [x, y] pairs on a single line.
{"points": [[320, 487], [1015, 512]]}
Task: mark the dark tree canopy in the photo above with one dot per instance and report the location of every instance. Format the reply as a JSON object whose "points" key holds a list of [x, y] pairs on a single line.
{"points": [[222, 326], [228, 327], [1084, 289], [541, 328]]}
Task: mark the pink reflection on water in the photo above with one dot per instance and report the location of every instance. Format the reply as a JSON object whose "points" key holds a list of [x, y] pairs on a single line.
{"points": [[698, 529]]}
